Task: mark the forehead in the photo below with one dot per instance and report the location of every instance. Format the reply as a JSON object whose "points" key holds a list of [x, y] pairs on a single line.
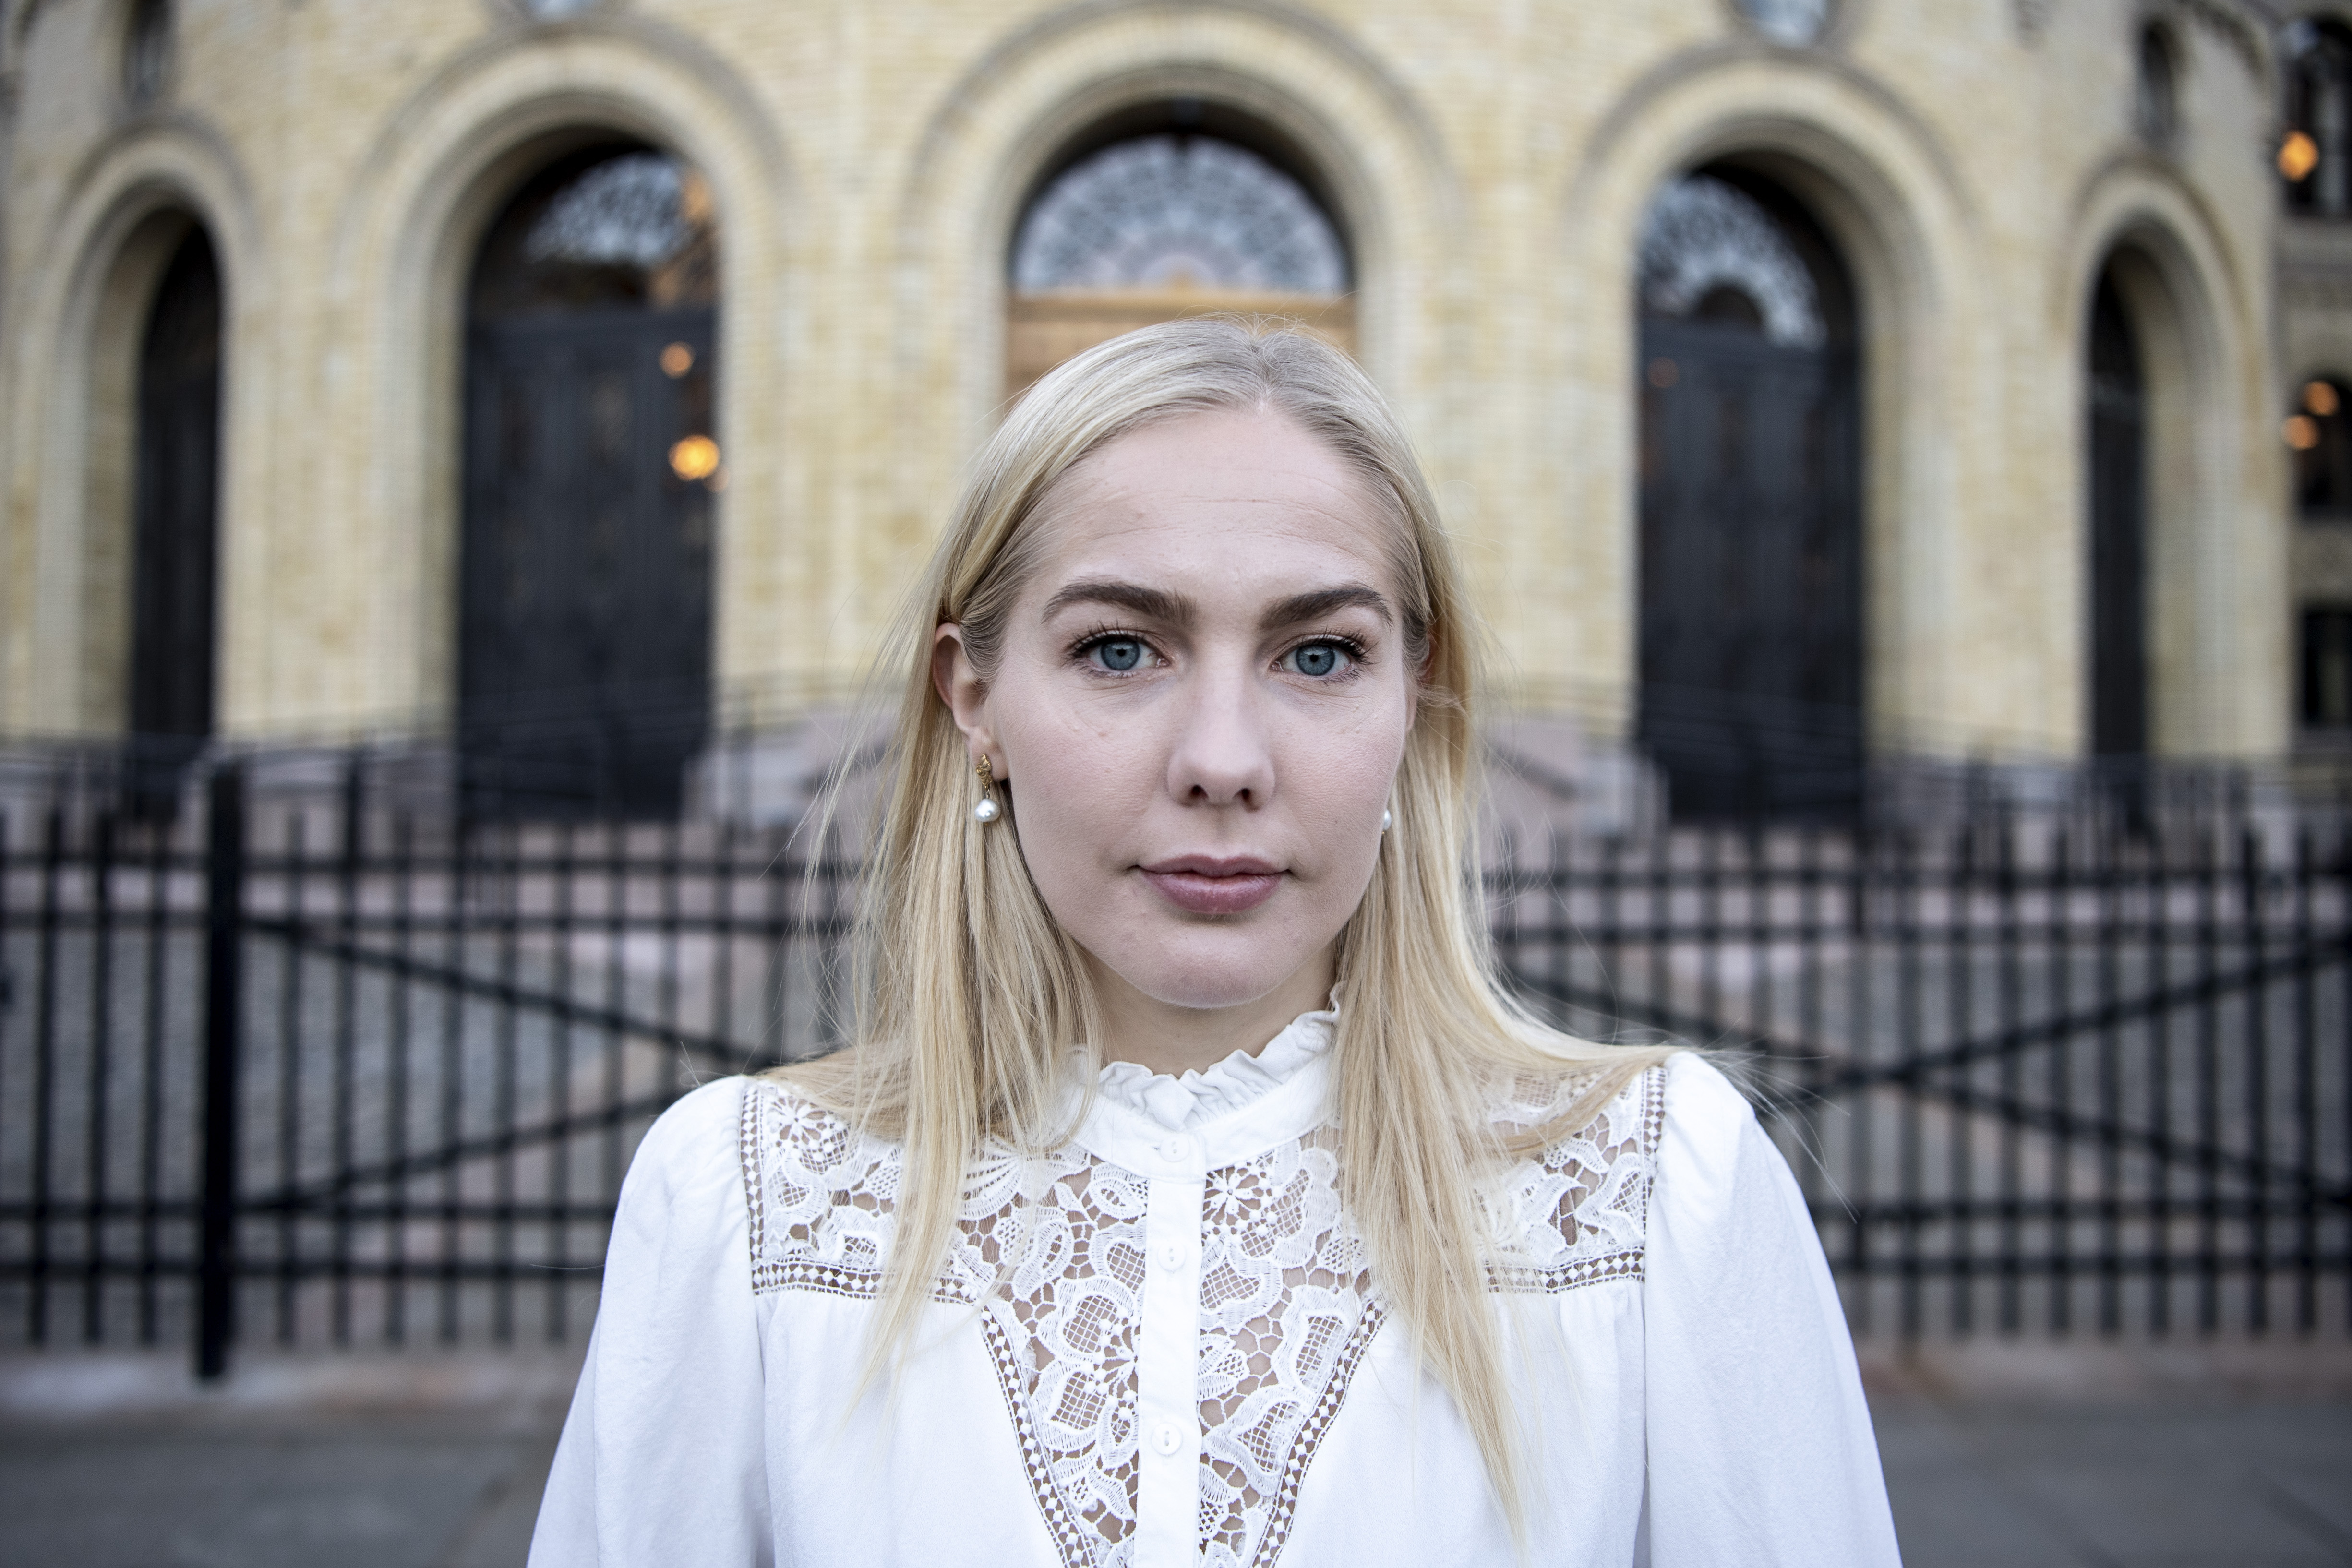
{"points": [[1240, 500]]}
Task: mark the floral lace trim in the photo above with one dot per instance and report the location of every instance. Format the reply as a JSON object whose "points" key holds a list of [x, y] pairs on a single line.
{"points": [[1052, 1251]]}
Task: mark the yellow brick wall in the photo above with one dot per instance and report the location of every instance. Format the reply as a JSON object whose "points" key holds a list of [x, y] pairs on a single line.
{"points": [[1975, 158]]}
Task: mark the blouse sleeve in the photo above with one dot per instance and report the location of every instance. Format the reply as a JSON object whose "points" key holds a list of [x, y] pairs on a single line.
{"points": [[1761, 1449], [662, 1458]]}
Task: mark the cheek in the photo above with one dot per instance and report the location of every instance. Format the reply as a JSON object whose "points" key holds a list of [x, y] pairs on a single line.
{"points": [[1078, 786]]}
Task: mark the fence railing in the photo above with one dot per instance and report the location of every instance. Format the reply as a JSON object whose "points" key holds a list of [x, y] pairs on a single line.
{"points": [[307, 1062]]}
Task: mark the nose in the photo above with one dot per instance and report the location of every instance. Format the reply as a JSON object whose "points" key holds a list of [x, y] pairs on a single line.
{"points": [[1222, 753]]}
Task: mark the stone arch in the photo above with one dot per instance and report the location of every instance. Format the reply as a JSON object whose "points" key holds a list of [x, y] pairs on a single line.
{"points": [[2216, 583], [1880, 186], [438, 173], [1380, 157], [69, 623]]}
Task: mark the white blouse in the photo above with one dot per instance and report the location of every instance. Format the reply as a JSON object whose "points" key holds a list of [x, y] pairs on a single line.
{"points": [[1161, 1345]]}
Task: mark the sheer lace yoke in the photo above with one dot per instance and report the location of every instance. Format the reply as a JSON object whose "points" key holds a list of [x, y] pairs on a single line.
{"points": [[1277, 1307]]}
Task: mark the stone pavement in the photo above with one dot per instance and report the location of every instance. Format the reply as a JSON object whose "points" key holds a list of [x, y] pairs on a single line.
{"points": [[2025, 1459]]}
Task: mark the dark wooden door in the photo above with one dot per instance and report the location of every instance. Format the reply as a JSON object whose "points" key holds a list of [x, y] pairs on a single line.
{"points": [[175, 514], [1750, 567], [585, 657], [2118, 564]]}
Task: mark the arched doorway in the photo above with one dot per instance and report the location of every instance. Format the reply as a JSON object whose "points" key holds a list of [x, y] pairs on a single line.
{"points": [[175, 518], [591, 457], [2116, 432], [1171, 210], [1752, 639]]}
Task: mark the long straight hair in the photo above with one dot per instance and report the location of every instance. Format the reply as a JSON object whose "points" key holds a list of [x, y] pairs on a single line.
{"points": [[970, 997]]}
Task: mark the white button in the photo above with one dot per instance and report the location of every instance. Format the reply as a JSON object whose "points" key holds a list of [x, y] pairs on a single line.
{"points": [[1172, 1254], [1166, 1439], [1176, 1149]]}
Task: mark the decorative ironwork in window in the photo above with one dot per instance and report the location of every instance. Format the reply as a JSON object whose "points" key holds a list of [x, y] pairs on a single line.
{"points": [[1710, 250], [1173, 211], [1795, 23], [613, 227], [2314, 157]]}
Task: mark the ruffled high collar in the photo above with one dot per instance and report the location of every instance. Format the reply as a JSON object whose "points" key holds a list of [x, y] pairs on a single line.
{"points": [[1180, 1103]]}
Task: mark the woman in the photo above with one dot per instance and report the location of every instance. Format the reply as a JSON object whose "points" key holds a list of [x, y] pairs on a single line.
{"points": [[1194, 1192]]}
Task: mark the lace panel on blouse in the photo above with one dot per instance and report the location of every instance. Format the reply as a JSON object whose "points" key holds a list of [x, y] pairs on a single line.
{"points": [[1051, 1249]]}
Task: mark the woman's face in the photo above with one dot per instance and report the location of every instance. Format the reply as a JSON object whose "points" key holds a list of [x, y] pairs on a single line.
{"points": [[1200, 705]]}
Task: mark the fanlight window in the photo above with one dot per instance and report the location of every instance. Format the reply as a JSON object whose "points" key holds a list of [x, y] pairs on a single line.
{"points": [[1710, 250], [1173, 211], [2314, 157], [1157, 227], [634, 229]]}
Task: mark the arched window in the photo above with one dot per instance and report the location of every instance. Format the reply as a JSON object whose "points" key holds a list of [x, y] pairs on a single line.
{"points": [[176, 509], [2156, 109], [1751, 646], [2319, 433], [2117, 433], [2315, 157], [146, 51], [591, 458], [1178, 210]]}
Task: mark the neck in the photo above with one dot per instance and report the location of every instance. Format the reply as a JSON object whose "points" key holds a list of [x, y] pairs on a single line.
{"points": [[1163, 1037]]}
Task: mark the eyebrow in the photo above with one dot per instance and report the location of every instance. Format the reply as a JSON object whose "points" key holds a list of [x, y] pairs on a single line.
{"points": [[1159, 604], [1325, 601], [1154, 603]]}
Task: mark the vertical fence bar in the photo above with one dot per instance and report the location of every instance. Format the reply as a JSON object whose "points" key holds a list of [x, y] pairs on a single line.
{"points": [[224, 1026], [343, 1129], [1959, 967], [2252, 877], [1908, 1022], [294, 881], [2160, 938], [45, 1051], [101, 1082], [559, 1149], [2306, 1097], [2209, 1083], [401, 1046], [150, 1078], [1861, 1141], [2011, 1307], [2108, 874]]}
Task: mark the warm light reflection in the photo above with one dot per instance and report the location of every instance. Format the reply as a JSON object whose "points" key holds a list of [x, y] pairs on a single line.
{"points": [[717, 483], [676, 359], [2298, 155], [696, 457], [2302, 433], [1663, 373], [2319, 398]]}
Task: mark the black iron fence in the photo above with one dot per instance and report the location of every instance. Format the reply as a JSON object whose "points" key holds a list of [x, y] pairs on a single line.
{"points": [[314, 1059]]}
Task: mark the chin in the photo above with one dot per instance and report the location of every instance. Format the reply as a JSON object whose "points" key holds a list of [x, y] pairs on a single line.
{"points": [[1229, 974]]}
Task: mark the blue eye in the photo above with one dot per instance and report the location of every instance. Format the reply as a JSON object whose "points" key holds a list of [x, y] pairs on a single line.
{"points": [[1119, 653], [1316, 660]]}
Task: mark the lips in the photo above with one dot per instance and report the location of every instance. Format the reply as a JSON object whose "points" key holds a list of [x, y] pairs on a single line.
{"points": [[1208, 884]]}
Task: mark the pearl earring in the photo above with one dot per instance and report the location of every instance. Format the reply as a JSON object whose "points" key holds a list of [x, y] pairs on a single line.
{"points": [[987, 810], [1388, 820]]}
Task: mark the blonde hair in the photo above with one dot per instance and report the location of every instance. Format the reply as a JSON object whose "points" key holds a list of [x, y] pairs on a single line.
{"points": [[970, 997]]}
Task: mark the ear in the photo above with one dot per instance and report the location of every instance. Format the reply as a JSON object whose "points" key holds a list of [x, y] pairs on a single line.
{"points": [[961, 688]]}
